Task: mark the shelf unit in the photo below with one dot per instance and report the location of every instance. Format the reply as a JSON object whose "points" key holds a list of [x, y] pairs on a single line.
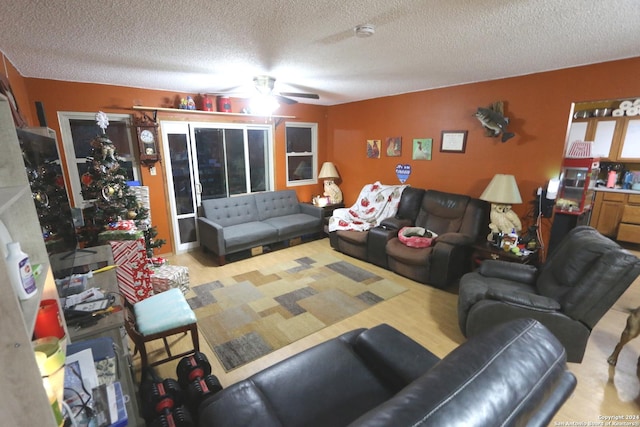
{"points": [[211, 113], [25, 402]]}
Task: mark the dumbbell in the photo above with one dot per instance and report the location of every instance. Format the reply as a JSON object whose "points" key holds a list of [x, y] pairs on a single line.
{"points": [[194, 374], [163, 404]]}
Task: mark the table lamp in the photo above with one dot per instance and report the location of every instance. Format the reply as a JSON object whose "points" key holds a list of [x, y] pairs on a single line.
{"points": [[328, 172], [502, 192]]}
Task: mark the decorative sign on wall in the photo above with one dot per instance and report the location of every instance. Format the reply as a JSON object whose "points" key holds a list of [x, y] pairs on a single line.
{"points": [[403, 172]]}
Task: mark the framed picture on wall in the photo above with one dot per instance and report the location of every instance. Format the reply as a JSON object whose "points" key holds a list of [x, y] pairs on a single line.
{"points": [[373, 148], [422, 148], [453, 141], [394, 146]]}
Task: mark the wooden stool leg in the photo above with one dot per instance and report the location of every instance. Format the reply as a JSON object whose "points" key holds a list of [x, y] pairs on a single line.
{"points": [[194, 337], [144, 362]]}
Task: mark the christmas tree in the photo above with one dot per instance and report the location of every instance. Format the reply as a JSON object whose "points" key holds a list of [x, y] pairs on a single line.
{"points": [[113, 200], [52, 205]]}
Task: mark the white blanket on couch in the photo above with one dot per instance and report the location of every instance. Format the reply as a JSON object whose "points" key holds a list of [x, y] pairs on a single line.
{"points": [[375, 203]]}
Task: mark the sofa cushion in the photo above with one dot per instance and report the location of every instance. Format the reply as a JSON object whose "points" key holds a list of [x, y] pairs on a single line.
{"points": [[305, 390], [294, 225], [272, 204], [355, 237], [442, 212], [253, 233], [407, 255], [231, 210]]}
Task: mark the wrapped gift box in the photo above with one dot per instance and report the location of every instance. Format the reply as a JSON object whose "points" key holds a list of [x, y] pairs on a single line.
{"points": [[109, 235], [134, 275], [167, 276]]}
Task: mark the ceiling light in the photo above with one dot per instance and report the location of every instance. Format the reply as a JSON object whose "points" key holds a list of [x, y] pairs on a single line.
{"points": [[263, 105], [365, 30]]}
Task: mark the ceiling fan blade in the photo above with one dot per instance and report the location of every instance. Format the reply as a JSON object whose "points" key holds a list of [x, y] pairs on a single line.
{"points": [[285, 100], [301, 95]]}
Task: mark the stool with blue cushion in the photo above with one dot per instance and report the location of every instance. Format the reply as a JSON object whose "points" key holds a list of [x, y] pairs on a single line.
{"points": [[161, 316]]}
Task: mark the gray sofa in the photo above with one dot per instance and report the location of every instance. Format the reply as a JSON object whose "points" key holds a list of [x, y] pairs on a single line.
{"points": [[234, 224]]}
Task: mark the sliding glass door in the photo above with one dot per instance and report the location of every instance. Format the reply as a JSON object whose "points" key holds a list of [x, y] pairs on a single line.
{"points": [[212, 160]]}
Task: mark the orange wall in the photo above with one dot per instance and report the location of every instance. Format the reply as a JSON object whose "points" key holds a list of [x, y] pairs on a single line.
{"points": [[538, 106], [87, 97]]}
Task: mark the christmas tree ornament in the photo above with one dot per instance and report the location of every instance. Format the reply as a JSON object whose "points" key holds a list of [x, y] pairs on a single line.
{"points": [[41, 197], [102, 121], [107, 192], [86, 179], [132, 214]]}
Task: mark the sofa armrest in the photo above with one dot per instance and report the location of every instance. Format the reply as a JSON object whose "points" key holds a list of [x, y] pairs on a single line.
{"points": [[395, 223], [450, 258], [393, 356], [523, 273], [524, 299], [457, 239], [211, 235], [521, 362], [312, 210]]}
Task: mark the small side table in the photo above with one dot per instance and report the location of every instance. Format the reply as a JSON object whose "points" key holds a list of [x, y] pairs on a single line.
{"points": [[486, 250]]}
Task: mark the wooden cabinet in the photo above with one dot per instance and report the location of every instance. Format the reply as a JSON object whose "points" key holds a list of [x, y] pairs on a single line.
{"points": [[629, 230], [614, 138], [617, 215], [25, 402], [607, 212]]}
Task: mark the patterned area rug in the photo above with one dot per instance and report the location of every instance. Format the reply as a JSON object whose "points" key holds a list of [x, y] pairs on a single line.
{"points": [[247, 316]]}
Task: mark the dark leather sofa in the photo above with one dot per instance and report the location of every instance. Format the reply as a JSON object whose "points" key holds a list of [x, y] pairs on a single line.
{"points": [[458, 220], [578, 283], [512, 375]]}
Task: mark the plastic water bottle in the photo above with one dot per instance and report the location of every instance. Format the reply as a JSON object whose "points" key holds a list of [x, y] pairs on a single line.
{"points": [[20, 272]]}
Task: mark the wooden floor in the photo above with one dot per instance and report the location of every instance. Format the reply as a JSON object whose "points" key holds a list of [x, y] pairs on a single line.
{"points": [[428, 315]]}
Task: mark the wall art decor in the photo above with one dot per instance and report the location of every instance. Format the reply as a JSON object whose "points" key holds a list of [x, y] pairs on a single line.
{"points": [[373, 148], [394, 146], [422, 148], [453, 141]]}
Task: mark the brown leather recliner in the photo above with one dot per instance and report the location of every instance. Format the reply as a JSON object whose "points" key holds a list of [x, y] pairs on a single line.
{"points": [[459, 221], [579, 282]]}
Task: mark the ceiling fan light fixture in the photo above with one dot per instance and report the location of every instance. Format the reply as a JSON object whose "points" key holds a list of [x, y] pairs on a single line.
{"points": [[364, 30], [263, 105], [264, 84]]}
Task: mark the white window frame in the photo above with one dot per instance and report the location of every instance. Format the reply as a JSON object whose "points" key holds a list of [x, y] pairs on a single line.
{"points": [[313, 154], [70, 156]]}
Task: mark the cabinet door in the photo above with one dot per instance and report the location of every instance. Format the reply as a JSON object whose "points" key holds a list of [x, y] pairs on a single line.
{"points": [[603, 138], [577, 132], [630, 147], [609, 219]]}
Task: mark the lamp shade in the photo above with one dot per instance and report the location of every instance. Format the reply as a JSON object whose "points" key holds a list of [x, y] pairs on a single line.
{"points": [[328, 171], [502, 190]]}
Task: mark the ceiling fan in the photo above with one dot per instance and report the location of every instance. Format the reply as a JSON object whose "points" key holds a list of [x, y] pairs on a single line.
{"points": [[264, 85]]}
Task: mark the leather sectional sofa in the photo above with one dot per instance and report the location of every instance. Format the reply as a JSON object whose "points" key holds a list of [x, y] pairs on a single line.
{"points": [[458, 220], [233, 224], [514, 374]]}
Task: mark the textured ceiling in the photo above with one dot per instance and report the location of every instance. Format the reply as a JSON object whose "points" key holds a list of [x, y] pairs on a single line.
{"points": [[214, 46]]}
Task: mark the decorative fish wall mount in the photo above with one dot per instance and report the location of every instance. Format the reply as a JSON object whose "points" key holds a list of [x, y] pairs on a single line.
{"points": [[494, 121]]}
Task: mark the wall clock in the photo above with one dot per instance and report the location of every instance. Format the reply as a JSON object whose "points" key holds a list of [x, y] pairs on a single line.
{"points": [[147, 132]]}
